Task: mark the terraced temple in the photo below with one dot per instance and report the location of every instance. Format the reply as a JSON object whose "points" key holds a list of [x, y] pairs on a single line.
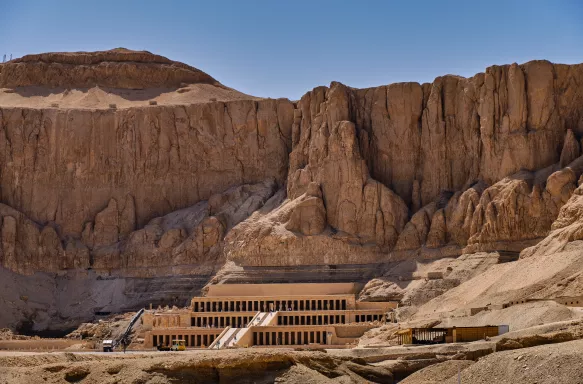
{"points": [[244, 315]]}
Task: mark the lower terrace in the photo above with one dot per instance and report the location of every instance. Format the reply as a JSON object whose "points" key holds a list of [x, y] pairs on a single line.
{"points": [[339, 335]]}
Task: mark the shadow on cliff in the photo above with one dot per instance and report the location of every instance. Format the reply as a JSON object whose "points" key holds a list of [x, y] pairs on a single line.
{"points": [[26, 327], [70, 93], [138, 94]]}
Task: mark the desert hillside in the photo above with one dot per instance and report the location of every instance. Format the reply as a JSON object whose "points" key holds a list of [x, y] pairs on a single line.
{"points": [[99, 80], [129, 179]]}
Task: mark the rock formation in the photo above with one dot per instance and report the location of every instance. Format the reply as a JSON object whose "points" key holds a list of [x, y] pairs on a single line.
{"points": [[64, 166], [566, 228], [184, 241], [341, 177], [309, 215], [470, 159], [117, 68]]}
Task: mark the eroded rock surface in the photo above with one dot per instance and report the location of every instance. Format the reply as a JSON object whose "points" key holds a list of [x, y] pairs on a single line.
{"points": [[566, 228], [118, 68], [186, 241], [66, 166], [342, 177]]}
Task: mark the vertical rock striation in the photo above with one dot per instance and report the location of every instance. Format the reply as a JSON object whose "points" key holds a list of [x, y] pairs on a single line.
{"points": [[481, 162], [342, 180], [66, 166], [502, 132]]}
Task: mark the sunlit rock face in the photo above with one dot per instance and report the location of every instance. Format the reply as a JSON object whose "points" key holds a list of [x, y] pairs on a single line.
{"points": [[343, 176]]}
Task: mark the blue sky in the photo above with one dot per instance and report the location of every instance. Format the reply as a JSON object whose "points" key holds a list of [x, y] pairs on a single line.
{"points": [[285, 48]]}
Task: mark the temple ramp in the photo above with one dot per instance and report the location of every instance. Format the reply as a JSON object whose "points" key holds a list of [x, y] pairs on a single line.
{"points": [[266, 318], [220, 341]]}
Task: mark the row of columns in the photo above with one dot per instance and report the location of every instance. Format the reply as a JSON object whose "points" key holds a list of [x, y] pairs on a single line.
{"points": [[190, 340], [269, 305], [220, 321], [310, 320], [369, 318], [292, 338]]}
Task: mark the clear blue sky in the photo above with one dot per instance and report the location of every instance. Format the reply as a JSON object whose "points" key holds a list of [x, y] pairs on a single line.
{"points": [[285, 48]]}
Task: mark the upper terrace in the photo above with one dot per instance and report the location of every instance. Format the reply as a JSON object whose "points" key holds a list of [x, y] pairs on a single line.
{"points": [[283, 297]]}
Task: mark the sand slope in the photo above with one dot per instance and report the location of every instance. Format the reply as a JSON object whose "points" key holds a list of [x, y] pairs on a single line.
{"points": [[509, 282], [101, 98]]}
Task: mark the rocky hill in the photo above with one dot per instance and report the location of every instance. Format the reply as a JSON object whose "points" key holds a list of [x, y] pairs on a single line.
{"points": [[184, 181], [117, 68]]}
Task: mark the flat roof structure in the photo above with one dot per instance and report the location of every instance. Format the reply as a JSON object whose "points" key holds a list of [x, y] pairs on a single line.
{"points": [[449, 334], [299, 289]]}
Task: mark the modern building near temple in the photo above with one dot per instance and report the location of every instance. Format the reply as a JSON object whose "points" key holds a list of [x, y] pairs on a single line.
{"points": [[246, 315], [449, 335]]}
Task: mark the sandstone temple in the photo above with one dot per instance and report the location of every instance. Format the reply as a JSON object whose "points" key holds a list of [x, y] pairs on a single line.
{"points": [[245, 315]]}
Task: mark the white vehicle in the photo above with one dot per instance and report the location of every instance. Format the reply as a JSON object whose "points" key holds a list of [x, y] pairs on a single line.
{"points": [[123, 340], [107, 345]]}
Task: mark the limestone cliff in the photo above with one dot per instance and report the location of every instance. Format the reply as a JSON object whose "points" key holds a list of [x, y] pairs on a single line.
{"points": [[343, 177], [483, 163], [394, 168]]}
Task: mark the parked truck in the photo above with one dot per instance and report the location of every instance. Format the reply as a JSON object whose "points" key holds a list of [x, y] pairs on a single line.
{"points": [[107, 345]]}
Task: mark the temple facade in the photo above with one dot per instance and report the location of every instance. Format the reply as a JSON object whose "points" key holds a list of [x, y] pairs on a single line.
{"points": [[246, 315]]}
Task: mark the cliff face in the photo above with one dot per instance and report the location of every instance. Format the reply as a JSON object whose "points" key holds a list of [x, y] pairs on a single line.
{"points": [[342, 177], [421, 140], [483, 163], [64, 166], [61, 168]]}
